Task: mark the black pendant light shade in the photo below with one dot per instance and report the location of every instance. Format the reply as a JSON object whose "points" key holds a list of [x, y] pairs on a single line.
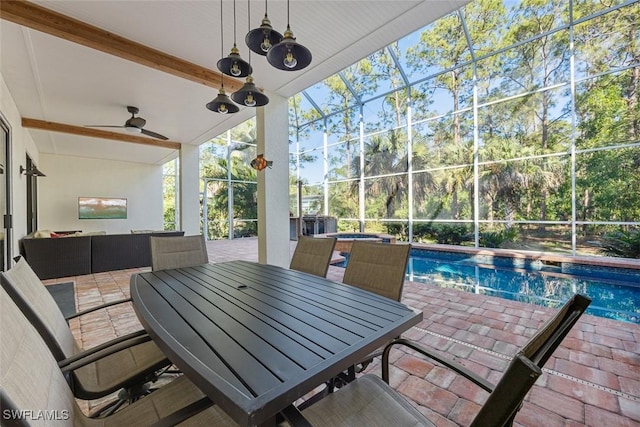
{"points": [[233, 65], [249, 95], [288, 55], [261, 39], [222, 104]]}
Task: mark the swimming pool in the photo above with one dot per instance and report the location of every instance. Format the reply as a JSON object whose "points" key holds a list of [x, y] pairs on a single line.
{"points": [[615, 292]]}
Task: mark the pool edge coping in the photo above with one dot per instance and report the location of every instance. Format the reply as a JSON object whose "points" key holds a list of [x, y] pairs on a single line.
{"points": [[630, 263]]}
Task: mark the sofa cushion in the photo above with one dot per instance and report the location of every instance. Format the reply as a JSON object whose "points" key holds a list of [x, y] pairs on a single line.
{"points": [[42, 234]]}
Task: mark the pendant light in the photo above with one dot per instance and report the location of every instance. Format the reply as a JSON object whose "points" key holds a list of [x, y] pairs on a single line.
{"points": [[289, 55], [261, 39], [249, 94], [221, 103], [233, 65]]}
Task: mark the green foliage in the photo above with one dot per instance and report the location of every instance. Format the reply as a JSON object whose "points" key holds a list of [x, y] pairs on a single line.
{"points": [[451, 234], [495, 239], [220, 161], [496, 124], [622, 244], [398, 229], [169, 218], [169, 195], [245, 229]]}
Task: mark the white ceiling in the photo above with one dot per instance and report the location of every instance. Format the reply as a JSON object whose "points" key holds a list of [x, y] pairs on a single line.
{"points": [[60, 81]]}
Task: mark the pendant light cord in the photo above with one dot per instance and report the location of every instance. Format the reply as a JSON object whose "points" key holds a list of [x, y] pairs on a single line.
{"points": [[234, 22], [221, 44], [249, 24]]}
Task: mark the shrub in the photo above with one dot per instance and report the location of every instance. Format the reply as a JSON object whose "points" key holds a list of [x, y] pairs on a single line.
{"points": [[450, 234], [495, 239], [622, 244]]}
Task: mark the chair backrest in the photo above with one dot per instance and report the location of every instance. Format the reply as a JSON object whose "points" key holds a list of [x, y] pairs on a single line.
{"points": [[313, 255], [178, 252], [378, 267], [506, 399], [30, 377], [37, 304]]}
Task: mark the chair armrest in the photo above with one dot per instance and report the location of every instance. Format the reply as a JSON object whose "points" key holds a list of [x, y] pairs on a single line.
{"points": [[98, 307], [103, 350], [451, 364]]}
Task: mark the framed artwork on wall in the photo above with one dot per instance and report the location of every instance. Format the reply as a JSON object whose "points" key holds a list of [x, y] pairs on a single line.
{"points": [[102, 208]]}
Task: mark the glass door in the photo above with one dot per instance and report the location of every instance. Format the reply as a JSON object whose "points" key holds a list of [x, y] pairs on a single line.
{"points": [[5, 195]]}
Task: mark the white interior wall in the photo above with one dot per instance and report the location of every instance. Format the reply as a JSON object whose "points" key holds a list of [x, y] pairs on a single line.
{"points": [[71, 177], [21, 143]]}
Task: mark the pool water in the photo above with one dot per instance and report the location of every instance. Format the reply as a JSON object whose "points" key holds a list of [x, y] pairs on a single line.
{"points": [[615, 293]]}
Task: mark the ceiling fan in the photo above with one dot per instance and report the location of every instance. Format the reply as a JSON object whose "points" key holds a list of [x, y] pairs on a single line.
{"points": [[133, 124]]}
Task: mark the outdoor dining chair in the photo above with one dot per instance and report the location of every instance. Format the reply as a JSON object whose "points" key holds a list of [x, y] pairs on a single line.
{"points": [[35, 392], [370, 400], [378, 268], [128, 362], [313, 255], [178, 252]]}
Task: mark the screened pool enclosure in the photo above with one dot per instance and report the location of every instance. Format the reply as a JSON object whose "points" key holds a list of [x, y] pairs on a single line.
{"points": [[504, 124]]}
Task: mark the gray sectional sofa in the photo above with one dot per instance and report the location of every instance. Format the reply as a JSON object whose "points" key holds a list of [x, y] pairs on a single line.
{"points": [[77, 255]]}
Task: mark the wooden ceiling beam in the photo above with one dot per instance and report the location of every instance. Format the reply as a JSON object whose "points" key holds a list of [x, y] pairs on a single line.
{"points": [[96, 133], [47, 21]]}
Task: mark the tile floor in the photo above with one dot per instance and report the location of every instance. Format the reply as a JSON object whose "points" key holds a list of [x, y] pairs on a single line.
{"points": [[593, 379]]}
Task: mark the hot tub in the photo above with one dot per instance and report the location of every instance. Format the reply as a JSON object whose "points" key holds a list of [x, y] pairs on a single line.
{"points": [[345, 239]]}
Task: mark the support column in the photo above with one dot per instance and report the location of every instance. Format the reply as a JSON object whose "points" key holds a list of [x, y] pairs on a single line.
{"points": [[272, 125], [190, 189]]}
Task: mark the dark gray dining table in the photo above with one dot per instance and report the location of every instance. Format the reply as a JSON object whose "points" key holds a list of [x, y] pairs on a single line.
{"points": [[257, 337]]}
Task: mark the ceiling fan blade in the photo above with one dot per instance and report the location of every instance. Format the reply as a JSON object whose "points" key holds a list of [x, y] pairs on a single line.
{"points": [[153, 134], [102, 126]]}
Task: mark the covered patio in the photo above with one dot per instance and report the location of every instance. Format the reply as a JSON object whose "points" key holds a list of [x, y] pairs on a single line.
{"points": [[56, 89], [593, 378]]}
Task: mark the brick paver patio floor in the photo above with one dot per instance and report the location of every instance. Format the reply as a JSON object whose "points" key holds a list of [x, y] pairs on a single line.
{"points": [[593, 378]]}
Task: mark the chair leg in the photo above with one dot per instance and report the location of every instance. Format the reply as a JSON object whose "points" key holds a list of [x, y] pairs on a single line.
{"points": [[315, 398], [104, 409], [363, 365], [338, 381], [117, 405], [344, 378], [126, 395], [131, 394]]}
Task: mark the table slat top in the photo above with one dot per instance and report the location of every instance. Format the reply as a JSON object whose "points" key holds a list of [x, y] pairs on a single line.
{"points": [[256, 337]]}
